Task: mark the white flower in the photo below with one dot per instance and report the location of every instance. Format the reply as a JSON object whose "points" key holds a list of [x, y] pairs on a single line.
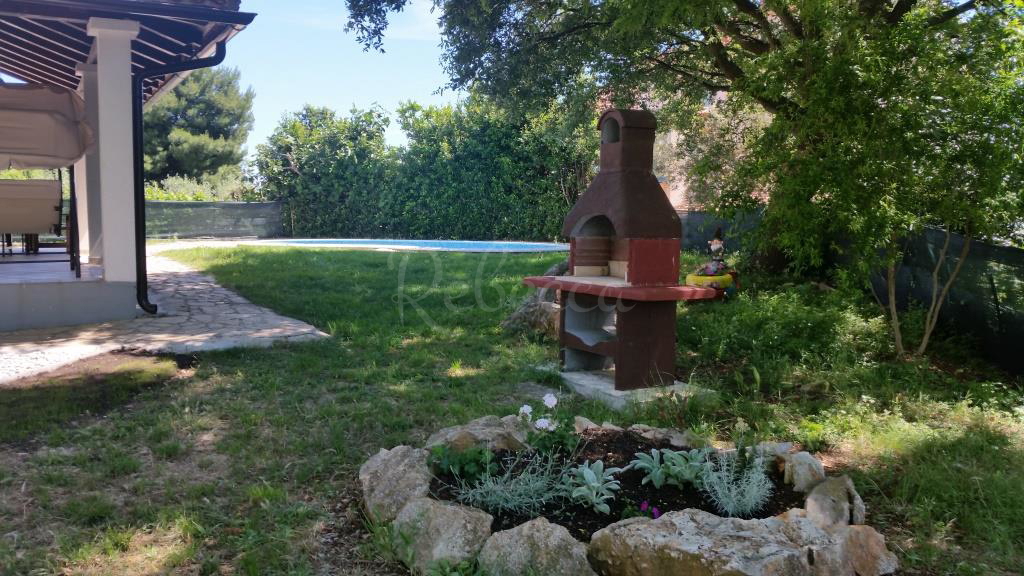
{"points": [[525, 411], [545, 424], [549, 400], [741, 427]]}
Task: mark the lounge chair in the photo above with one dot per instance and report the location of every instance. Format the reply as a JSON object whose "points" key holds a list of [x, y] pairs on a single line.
{"points": [[30, 207]]}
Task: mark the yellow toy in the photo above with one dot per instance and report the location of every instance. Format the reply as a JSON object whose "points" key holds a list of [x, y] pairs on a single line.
{"points": [[721, 282]]}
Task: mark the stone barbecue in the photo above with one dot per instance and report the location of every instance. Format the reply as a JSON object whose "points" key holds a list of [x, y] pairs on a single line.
{"points": [[619, 299]]}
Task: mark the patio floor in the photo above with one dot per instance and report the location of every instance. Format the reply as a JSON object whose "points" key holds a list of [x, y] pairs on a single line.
{"points": [[44, 267], [196, 314]]}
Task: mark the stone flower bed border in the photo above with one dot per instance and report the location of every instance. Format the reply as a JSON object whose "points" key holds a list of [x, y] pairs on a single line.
{"points": [[827, 537]]}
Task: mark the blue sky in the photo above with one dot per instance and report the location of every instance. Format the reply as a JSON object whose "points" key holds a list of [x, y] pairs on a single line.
{"points": [[297, 52]]}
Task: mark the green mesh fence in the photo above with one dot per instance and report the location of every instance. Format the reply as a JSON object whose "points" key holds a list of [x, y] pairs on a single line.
{"points": [[213, 219], [699, 228], [987, 299]]}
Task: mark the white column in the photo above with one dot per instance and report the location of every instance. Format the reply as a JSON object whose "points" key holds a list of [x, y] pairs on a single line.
{"points": [[87, 173], [114, 102]]}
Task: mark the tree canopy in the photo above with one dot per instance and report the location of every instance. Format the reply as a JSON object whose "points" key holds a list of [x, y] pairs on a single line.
{"points": [[200, 127], [770, 51]]}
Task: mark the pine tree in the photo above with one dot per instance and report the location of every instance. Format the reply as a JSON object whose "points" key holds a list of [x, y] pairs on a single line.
{"points": [[200, 127]]}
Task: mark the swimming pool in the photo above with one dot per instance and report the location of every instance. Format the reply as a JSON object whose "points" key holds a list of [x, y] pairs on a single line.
{"points": [[436, 245]]}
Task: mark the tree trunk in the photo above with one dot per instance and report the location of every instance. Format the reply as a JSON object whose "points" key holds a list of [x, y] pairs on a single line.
{"points": [[932, 318], [894, 315]]}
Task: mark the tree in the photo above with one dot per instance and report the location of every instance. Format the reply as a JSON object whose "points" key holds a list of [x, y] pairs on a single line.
{"points": [[885, 115], [200, 127], [329, 172]]}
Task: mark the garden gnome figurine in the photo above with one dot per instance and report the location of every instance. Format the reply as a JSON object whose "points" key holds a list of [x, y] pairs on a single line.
{"points": [[716, 246]]}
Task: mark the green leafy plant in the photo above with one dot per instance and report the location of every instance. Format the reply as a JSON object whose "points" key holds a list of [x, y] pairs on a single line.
{"points": [[469, 465], [670, 467], [652, 465], [811, 434], [682, 468], [387, 543], [561, 440], [594, 485], [528, 484], [737, 483]]}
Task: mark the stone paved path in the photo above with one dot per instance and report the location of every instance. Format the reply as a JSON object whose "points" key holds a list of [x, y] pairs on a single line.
{"points": [[195, 315]]}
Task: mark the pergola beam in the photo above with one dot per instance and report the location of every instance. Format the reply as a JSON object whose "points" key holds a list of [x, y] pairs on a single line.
{"points": [[48, 52], [34, 34], [45, 40], [11, 61], [61, 9]]}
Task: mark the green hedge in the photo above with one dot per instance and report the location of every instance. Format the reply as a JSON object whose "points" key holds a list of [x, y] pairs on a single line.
{"points": [[469, 171]]}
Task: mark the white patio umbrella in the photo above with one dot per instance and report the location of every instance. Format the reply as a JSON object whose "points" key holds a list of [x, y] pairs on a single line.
{"points": [[42, 127]]}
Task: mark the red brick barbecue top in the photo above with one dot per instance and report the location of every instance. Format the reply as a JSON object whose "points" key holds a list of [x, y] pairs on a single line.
{"points": [[637, 293]]}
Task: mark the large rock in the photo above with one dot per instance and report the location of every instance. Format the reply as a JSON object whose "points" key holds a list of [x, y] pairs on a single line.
{"points": [[437, 532], [582, 424], [508, 433], [803, 471], [675, 438], [538, 313], [865, 552], [835, 502], [537, 547], [775, 449], [698, 543], [390, 478]]}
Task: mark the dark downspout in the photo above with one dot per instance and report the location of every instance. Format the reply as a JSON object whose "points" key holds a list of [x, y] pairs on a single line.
{"points": [[141, 280]]}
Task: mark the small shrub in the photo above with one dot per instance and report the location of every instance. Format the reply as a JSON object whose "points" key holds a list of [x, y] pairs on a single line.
{"points": [[524, 489], [226, 184], [737, 485], [470, 465], [811, 435], [593, 485]]}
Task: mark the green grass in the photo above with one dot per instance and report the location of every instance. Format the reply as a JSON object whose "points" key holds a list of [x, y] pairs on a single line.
{"points": [[44, 407], [240, 465]]}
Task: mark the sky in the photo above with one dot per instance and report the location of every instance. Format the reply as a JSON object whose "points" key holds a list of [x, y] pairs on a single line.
{"points": [[296, 52]]}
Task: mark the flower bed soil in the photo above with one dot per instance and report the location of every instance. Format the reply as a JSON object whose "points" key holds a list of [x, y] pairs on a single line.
{"points": [[618, 448]]}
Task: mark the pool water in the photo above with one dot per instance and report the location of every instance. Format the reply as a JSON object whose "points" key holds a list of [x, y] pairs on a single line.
{"points": [[437, 245]]}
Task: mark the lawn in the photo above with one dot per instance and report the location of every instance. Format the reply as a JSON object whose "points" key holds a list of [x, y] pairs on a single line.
{"points": [[245, 463]]}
